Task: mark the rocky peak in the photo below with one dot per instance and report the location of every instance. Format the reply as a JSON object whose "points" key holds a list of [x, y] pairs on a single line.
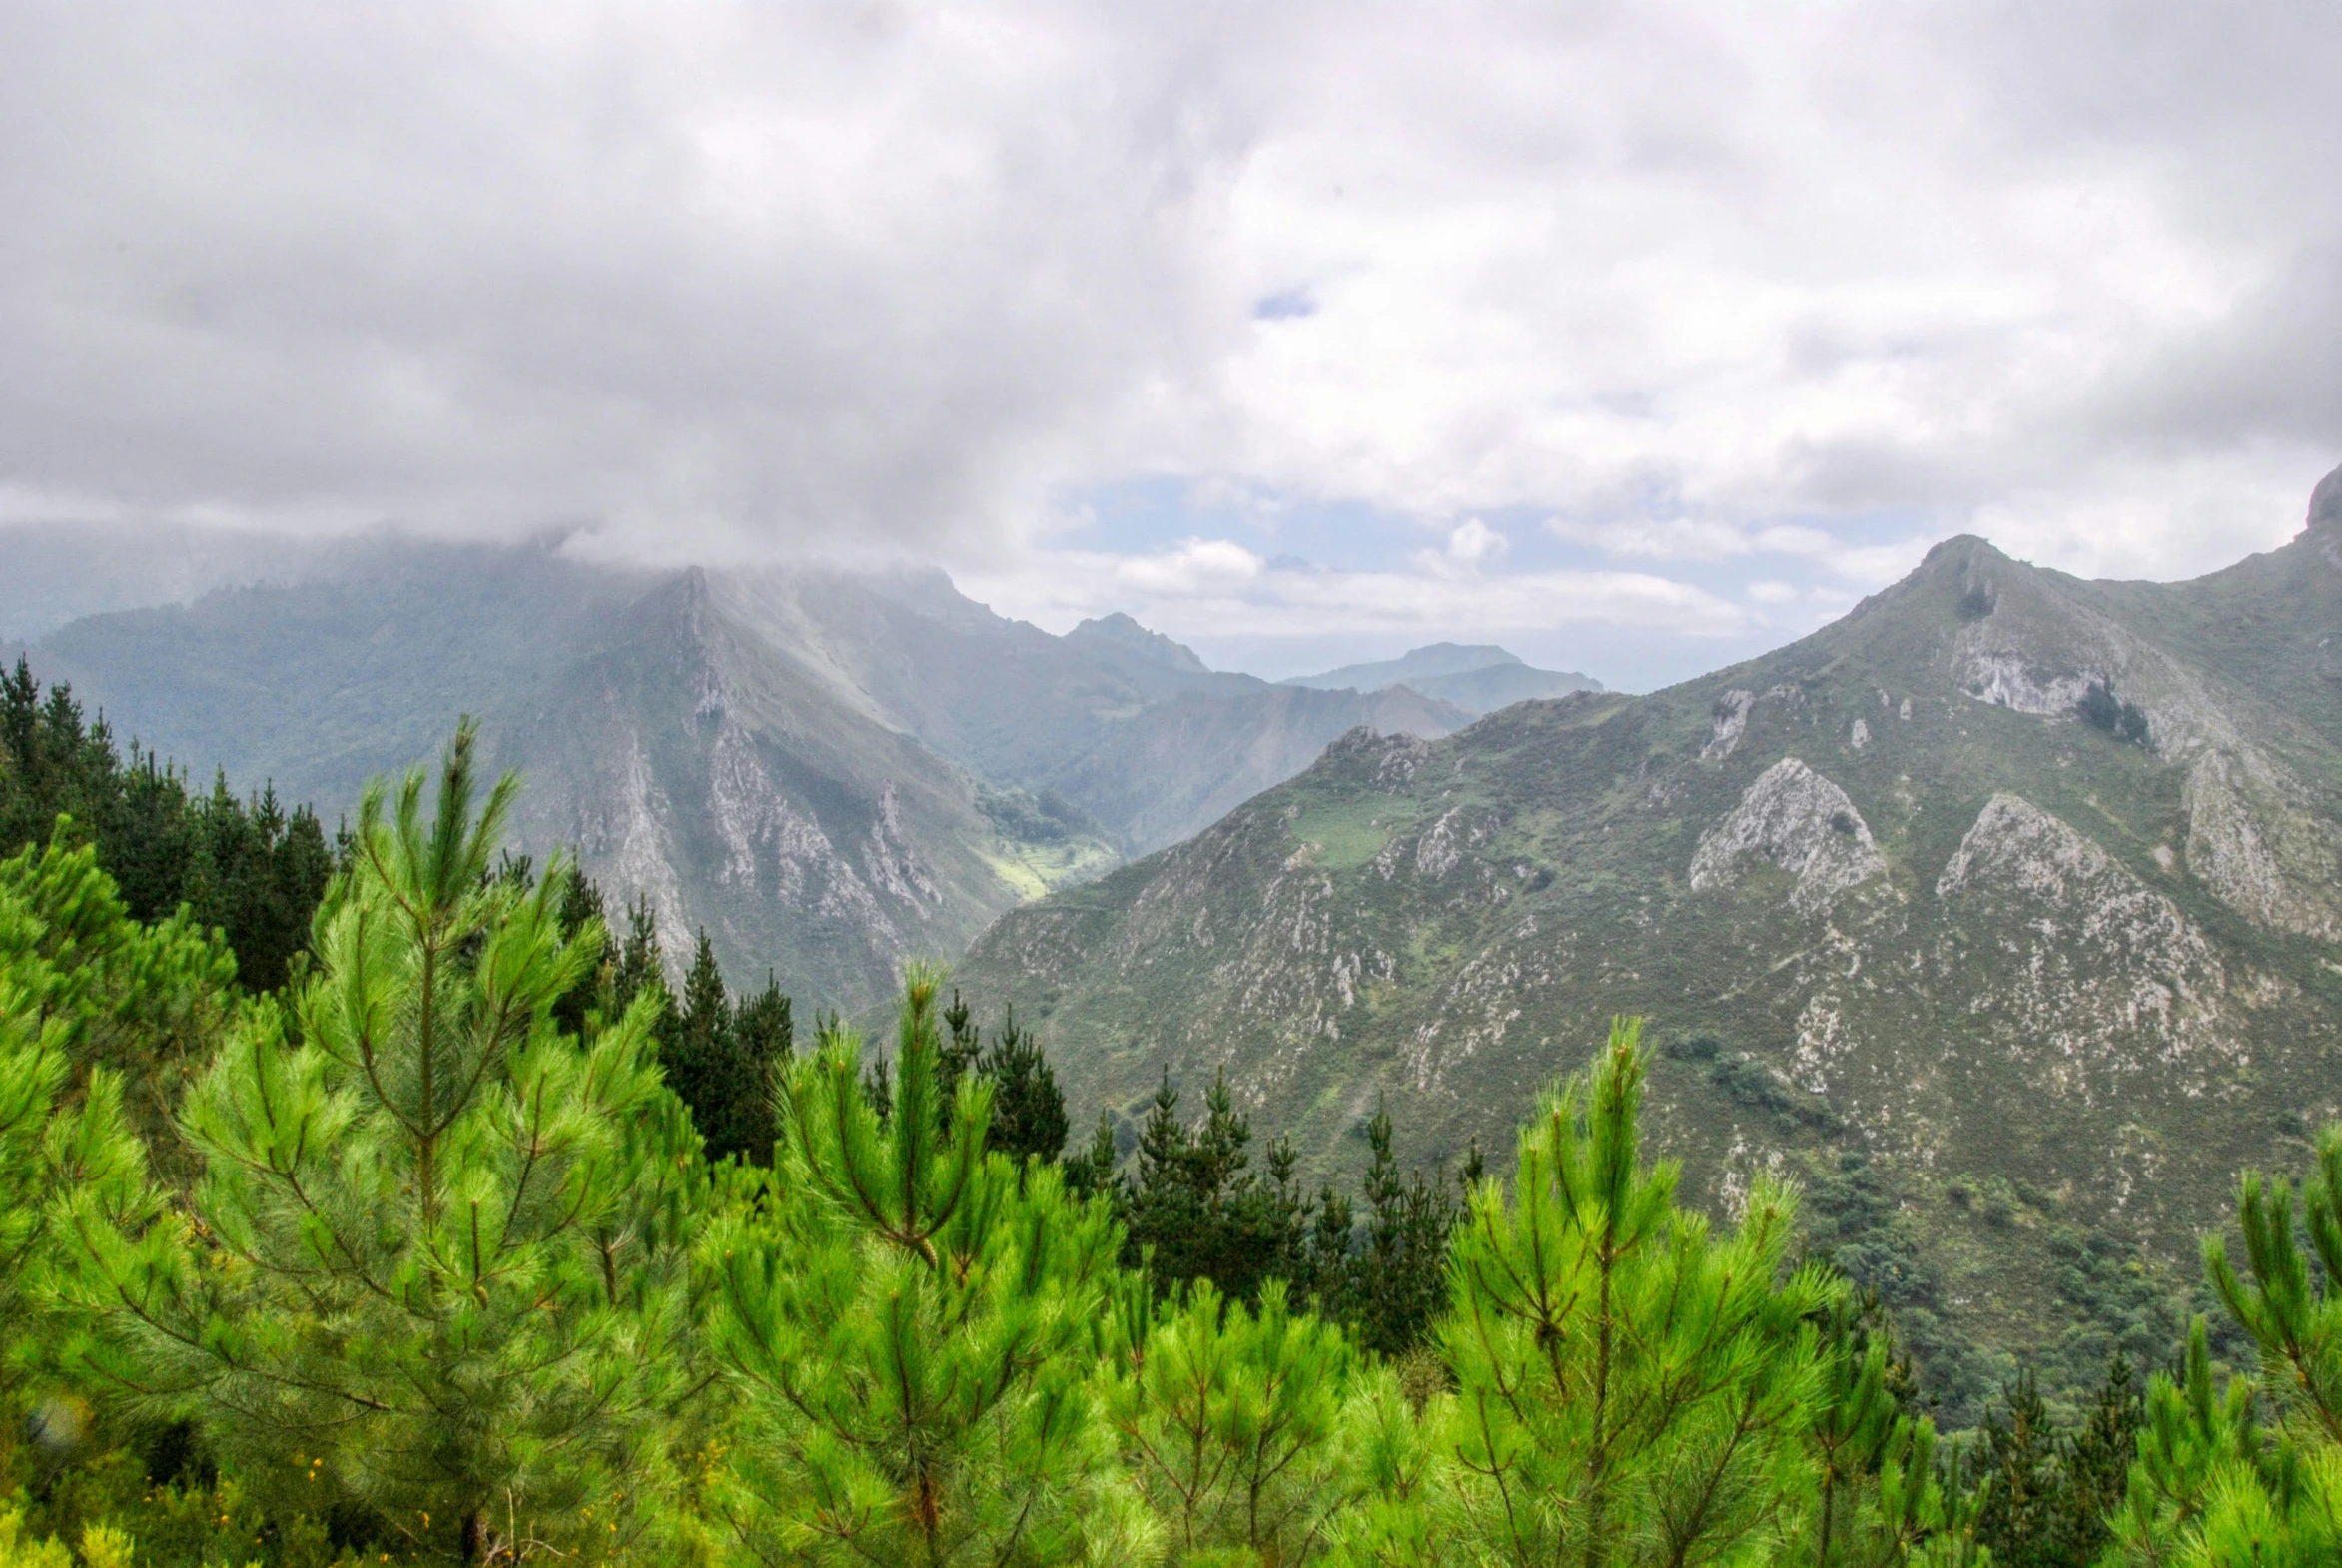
{"points": [[1120, 628]]}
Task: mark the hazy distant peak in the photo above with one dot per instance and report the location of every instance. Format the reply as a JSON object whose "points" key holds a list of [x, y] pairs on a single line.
{"points": [[1478, 678], [1440, 658], [1120, 628]]}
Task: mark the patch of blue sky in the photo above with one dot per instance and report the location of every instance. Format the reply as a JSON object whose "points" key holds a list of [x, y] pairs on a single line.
{"points": [[1142, 515], [1782, 577], [1284, 305]]}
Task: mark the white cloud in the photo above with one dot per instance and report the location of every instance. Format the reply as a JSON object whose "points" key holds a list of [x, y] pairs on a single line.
{"points": [[1476, 544], [1682, 539], [1471, 547], [1217, 589], [1707, 278], [1199, 567]]}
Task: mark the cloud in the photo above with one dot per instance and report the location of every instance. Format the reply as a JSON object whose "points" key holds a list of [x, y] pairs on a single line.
{"points": [[1778, 288], [1470, 546], [1199, 567], [1682, 539], [698, 275], [1215, 589]]}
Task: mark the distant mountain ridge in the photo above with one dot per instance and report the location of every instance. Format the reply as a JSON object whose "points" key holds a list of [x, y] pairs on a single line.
{"points": [[1438, 658], [830, 771], [1120, 628], [2003, 913], [1478, 678]]}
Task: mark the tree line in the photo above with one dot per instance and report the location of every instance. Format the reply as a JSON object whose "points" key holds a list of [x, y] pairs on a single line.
{"points": [[429, 1263]]}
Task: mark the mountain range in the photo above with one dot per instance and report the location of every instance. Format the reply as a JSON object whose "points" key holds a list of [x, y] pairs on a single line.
{"points": [[2002, 912], [1478, 678], [828, 771]]}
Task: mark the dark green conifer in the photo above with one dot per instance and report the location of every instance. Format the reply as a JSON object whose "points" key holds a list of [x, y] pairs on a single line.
{"points": [[1028, 1108], [1193, 1199], [2096, 1467], [1403, 1272], [2022, 1509], [245, 866], [1091, 1172]]}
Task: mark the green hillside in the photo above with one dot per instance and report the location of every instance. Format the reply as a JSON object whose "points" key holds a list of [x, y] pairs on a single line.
{"points": [[829, 773], [2001, 912]]}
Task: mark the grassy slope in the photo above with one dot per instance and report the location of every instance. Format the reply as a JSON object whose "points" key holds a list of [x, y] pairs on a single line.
{"points": [[2014, 1094]]}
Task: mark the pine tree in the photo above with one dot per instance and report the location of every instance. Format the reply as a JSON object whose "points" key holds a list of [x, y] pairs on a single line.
{"points": [[141, 1001], [1028, 1108], [2096, 1465], [1231, 1422], [908, 1322], [2201, 1453], [698, 1051], [434, 1259], [84, 992], [1631, 1388], [764, 1034], [961, 1053], [1091, 1172], [1328, 1273], [243, 864], [582, 906], [720, 1056], [2293, 1316], [1403, 1275], [641, 963], [1876, 1492], [1193, 1201], [2020, 1513], [2211, 1484]]}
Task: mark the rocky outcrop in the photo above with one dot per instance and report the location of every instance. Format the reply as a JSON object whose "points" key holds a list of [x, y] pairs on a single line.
{"points": [[1798, 820], [1727, 724], [2262, 858], [2109, 977]]}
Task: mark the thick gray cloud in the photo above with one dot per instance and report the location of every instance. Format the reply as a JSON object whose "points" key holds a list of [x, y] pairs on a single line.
{"points": [[789, 270], [724, 279]]}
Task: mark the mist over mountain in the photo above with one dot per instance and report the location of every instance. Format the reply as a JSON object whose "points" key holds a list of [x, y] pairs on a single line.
{"points": [[2001, 911], [60, 573], [829, 771]]}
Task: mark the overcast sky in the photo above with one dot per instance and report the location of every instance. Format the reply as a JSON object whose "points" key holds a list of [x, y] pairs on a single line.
{"points": [[1636, 337]]}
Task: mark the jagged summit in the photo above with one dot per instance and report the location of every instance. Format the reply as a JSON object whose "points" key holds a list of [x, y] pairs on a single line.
{"points": [[1121, 629]]}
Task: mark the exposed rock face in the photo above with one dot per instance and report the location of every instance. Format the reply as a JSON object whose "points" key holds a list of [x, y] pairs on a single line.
{"points": [[1727, 724], [2111, 977], [1799, 821], [827, 773], [1890, 899], [2262, 858], [2007, 679]]}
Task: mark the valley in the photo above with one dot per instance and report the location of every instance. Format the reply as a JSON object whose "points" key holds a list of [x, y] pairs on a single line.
{"points": [[830, 772]]}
